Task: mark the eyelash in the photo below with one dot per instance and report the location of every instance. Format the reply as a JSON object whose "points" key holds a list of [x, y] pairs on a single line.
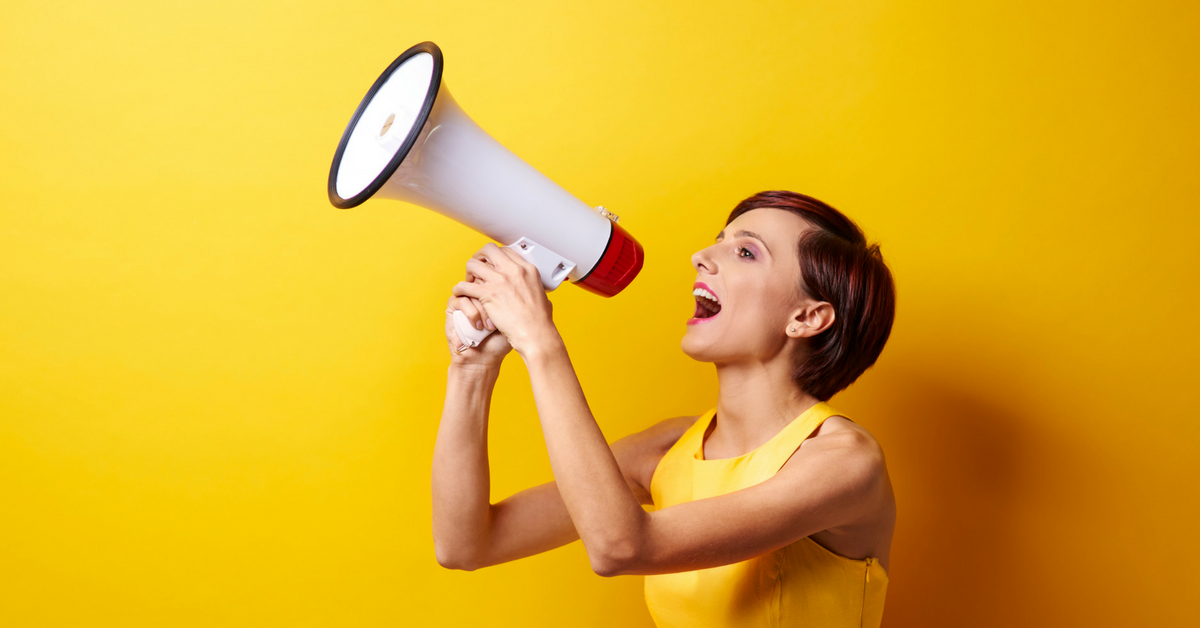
{"points": [[742, 248]]}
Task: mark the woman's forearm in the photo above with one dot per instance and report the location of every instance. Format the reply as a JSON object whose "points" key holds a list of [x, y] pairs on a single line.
{"points": [[605, 511], [461, 482]]}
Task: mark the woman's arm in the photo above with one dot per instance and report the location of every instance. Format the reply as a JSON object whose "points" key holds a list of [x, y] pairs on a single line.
{"points": [[461, 483], [834, 481], [470, 532]]}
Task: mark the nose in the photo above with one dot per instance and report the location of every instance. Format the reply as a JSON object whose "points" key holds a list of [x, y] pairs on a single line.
{"points": [[702, 260]]}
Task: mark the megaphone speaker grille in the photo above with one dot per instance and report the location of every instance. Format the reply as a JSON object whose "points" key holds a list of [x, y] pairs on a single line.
{"points": [[386, 125]]}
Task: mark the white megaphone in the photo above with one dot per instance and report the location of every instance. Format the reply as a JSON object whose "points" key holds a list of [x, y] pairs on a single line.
{"points": [[410, 141]]}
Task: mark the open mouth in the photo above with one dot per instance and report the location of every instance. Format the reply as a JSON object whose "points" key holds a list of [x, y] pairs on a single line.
{"points": [[707, 303]]}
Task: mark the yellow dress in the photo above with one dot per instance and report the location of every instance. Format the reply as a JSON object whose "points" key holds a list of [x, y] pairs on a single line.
{"points": [[801, 584]]}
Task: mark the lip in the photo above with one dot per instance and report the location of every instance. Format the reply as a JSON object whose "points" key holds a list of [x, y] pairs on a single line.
{"points": [[700, 321]]}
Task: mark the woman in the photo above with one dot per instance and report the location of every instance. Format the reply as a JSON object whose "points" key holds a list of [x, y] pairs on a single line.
{"points": [[772, 508]]}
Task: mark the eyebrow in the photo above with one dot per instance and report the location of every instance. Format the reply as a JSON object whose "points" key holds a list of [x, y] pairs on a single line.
{"points": [[742, 233]]}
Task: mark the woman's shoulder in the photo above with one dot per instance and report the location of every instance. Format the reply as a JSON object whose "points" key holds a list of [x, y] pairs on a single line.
{"points": [[848, 452], [841, 432], [656, 438], [844, 449], [639, 453], [667, 431]]}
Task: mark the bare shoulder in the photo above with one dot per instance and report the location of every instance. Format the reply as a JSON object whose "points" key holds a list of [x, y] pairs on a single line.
{"points": [[841, 435], [657, 438], [639, 453], [852, 460], [845, 450]]}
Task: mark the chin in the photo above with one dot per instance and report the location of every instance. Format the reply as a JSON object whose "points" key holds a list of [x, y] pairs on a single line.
{"points": [[727, 344], [698, 348]]}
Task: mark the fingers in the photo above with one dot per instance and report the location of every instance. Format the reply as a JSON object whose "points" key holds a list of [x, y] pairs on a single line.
{"points": [[468, 289], [504, 260], [474, 311], [477, 268], [520, 263], [494, 256]]}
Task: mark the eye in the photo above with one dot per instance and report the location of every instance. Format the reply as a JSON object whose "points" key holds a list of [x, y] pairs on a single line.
{"points": [[744, 252]]}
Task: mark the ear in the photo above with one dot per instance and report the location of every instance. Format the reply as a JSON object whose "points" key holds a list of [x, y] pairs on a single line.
{"points": [[810, 320]]}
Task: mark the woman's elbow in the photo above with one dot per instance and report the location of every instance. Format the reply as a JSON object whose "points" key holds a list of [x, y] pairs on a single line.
{"points": [[450, 558], [614, 559]]}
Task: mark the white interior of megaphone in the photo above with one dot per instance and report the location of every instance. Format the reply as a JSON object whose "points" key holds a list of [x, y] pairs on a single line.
{"points": [[384, 125]]}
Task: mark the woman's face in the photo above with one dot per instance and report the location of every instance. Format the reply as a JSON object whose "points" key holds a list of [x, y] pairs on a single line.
{"points": [[753, 271]]}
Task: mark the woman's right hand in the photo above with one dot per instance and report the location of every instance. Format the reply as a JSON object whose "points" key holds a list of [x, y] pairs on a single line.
{"points": [[490, 353]]}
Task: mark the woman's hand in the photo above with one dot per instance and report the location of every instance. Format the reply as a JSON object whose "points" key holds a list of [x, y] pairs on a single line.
{"points": [[490, 353], [509, 289]]}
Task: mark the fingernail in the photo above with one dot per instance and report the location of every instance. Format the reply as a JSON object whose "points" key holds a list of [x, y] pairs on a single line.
{"points": [[479, 326], [491, 325]]}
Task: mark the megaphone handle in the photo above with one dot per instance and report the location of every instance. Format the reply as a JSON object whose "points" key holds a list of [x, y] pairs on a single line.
{"points": [[553, 269], [468, 335]]}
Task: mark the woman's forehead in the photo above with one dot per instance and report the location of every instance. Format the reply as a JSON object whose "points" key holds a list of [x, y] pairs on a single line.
{"points": [[778, 228]]}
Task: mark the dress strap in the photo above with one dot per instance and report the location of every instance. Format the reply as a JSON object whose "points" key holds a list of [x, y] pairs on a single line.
{"points": [[782, 448], [671, 481], [692, 439]]}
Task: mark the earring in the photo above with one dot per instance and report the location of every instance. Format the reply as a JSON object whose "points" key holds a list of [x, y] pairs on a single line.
{"points": [[792, 329]]}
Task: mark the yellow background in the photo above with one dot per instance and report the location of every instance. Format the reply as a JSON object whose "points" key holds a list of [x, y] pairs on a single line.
{"points": [[218, 394]]}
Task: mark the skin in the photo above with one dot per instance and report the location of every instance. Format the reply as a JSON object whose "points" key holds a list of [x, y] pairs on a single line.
{"points": [[834, 489]]}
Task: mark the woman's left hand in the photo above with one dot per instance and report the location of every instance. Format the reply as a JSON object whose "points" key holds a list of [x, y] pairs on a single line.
{"points": [[511, 291]]}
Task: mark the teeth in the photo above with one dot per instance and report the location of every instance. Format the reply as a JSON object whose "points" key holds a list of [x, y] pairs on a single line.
{"points": [[705, 294]]}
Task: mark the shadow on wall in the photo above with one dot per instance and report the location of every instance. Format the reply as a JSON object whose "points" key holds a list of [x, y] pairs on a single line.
{"points": [[968, 472]]}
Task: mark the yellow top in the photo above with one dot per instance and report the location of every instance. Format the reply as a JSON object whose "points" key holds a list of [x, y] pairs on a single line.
{"points": [[801, 584]]}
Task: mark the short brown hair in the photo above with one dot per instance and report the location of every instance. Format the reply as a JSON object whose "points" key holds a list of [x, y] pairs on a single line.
{"points": [[839, 267]]}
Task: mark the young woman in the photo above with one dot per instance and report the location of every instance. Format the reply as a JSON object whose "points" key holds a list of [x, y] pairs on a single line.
{"points": [[772, 509]]}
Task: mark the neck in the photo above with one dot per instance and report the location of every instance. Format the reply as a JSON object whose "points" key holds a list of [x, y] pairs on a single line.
{"points": [[754, 402]]}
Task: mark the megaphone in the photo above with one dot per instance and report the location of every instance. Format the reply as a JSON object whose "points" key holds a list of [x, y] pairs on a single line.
{"points": [[410, 141]]}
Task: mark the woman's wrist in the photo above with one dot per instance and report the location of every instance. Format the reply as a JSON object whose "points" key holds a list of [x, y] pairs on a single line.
{"points": [[469, 391], [542, 349], [474, 372]]}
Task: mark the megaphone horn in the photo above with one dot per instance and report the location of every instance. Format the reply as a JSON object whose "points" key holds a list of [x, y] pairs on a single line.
{"points": [[410, 141]]}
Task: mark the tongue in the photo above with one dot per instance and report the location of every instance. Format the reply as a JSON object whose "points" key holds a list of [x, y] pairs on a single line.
{"points": [[703, 312]]}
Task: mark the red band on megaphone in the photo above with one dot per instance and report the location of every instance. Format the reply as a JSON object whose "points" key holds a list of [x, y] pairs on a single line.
{"points": [[621, 262]]}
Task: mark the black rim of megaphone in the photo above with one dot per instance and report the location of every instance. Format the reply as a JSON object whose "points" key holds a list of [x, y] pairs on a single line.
{"points": [[435, 83]]}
